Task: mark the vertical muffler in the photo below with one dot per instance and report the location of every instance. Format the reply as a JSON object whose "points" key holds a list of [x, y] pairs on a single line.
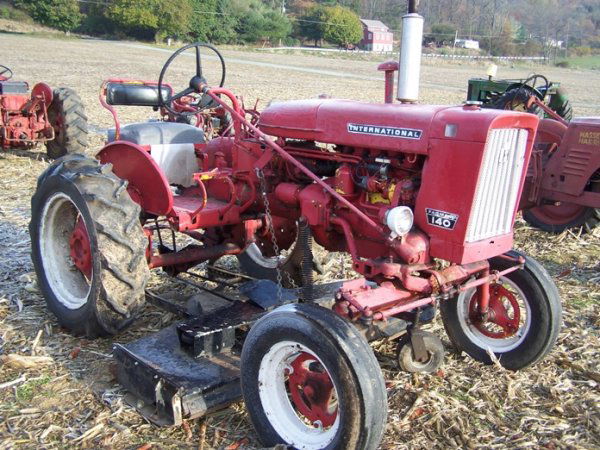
{"points": [[410, 55]]}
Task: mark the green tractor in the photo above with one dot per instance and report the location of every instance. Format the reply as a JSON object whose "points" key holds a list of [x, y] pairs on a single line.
{"points": [[515, 93]]}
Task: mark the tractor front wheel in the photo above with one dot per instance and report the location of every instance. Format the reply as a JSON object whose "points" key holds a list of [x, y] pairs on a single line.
{"points": [[523, 321], [88, 247], [311, 381], [67, 116]]}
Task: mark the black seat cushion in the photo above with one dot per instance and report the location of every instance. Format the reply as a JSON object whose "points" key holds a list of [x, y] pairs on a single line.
{"points": [[13, 87], [131, 94]]}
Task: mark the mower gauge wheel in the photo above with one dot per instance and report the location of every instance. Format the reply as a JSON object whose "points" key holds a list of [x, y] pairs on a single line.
{"points": [[311, 381], [196, 84], [435, 354], [3, 73]]}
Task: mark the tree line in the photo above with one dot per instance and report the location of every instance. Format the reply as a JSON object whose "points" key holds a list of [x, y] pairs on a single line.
{"points": [[216, 21], [501, 26]]}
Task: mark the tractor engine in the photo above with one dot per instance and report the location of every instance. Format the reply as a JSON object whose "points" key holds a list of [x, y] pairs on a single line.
{"points": [[24, 118], [394, 185]]}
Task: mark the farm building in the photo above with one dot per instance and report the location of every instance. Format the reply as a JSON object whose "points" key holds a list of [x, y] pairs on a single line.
{"points": [[377, 37]]}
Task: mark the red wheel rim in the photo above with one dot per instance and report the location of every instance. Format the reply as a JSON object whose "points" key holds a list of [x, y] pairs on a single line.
{"points": [[81, 249], [499, 314], [558, 214], [312, 390]]}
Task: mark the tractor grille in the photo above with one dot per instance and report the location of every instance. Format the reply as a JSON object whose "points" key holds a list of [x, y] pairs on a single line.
{"points": [[498, 185]]}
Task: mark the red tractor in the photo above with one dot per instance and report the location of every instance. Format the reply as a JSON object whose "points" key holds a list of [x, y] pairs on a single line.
{"points": [[55, 118], [562, 189], [423, 198]]}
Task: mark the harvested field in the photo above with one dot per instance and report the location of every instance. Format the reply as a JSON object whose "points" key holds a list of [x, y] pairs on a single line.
{"points": [[68, 397]]}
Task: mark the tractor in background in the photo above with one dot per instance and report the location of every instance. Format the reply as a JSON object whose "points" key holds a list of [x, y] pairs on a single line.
{"points": [[514, 94], [562, 188], [54, 118], [423, 198]]}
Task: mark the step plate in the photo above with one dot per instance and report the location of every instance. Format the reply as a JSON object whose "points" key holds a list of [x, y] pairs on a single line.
{"points": [[166, 384]]}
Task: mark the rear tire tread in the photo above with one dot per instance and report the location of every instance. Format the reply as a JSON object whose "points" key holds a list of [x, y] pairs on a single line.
{"points": [[75, 127], [123, 273]]}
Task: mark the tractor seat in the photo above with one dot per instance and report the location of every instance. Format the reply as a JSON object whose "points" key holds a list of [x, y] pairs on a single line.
{"points": [[13, 87], [159, 133], [171, 146], [128, 93]]}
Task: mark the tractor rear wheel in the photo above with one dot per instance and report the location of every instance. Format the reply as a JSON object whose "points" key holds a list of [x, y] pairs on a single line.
{"points": [[515, 99], [88, 247], [311, 381], [560, 103], [523, 322], [67, 116], [558, 218]]}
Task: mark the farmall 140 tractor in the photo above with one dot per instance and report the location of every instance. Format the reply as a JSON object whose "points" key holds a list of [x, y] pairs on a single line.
{"points": [[423, 198], [562, 188], [55, 118]]}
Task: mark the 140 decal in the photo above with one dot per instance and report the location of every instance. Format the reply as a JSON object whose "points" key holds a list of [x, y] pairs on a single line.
{"points": [[441, 219]]}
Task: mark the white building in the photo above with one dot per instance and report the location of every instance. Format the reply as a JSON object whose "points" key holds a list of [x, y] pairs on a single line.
{"points": [[466, 43]]}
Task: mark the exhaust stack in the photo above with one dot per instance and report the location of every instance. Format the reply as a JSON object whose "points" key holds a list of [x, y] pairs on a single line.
{"points": [[410, 55]]}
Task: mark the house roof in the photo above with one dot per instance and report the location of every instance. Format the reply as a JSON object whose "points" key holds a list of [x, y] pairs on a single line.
{"points": [[371, 24]]}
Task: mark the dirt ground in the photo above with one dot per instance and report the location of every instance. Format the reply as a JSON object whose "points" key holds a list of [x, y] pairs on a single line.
{"points": [[74, 400]]}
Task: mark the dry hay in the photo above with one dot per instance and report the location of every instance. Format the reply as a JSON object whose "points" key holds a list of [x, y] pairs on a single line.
{"points": [[74, 401]]}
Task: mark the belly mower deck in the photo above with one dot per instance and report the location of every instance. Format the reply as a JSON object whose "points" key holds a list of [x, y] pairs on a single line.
{"points": [[192, 367]]}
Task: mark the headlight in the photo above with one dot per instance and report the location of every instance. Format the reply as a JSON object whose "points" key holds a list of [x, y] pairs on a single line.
{"points": [[400, 220]]}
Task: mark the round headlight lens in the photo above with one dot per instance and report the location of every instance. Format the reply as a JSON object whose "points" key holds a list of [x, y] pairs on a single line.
{"points": [[400, 220]]}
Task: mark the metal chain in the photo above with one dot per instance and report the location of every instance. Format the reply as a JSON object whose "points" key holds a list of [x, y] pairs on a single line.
{"points": [[263, 191]]}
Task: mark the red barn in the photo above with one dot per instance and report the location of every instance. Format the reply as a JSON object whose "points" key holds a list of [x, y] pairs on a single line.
{"points": [[377, 37]]}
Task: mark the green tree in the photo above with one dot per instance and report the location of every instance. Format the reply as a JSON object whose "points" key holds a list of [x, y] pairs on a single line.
{"points": [[212, 21], [443, 32], [258, 22], [61, 14], [311, 25], [342, 26], [204, 20], [159, 17]]}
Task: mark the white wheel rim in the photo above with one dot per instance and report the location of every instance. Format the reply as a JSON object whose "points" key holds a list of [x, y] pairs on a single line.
{"points": [[66, 281], [276, 403], [487, 342]]}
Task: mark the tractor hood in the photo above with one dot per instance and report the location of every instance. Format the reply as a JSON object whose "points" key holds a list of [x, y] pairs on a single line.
{"points": [[395, 127]]}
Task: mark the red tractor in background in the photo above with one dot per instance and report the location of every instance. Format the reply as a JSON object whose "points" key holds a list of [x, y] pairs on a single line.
{"points": [[423, 198], [55, 118], [562, 188]]}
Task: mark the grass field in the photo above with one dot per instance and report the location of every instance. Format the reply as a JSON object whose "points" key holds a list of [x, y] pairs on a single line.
{"points": [[73, 399], [590, 62]]}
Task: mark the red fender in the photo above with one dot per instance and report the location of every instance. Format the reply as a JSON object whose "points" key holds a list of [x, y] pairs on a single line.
{"points": [[550, 131], [570, 168], [44, 91], [147, 184]]}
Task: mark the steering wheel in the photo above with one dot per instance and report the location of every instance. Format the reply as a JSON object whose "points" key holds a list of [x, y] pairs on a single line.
{"points": [[195, 85], [3, 70]]}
